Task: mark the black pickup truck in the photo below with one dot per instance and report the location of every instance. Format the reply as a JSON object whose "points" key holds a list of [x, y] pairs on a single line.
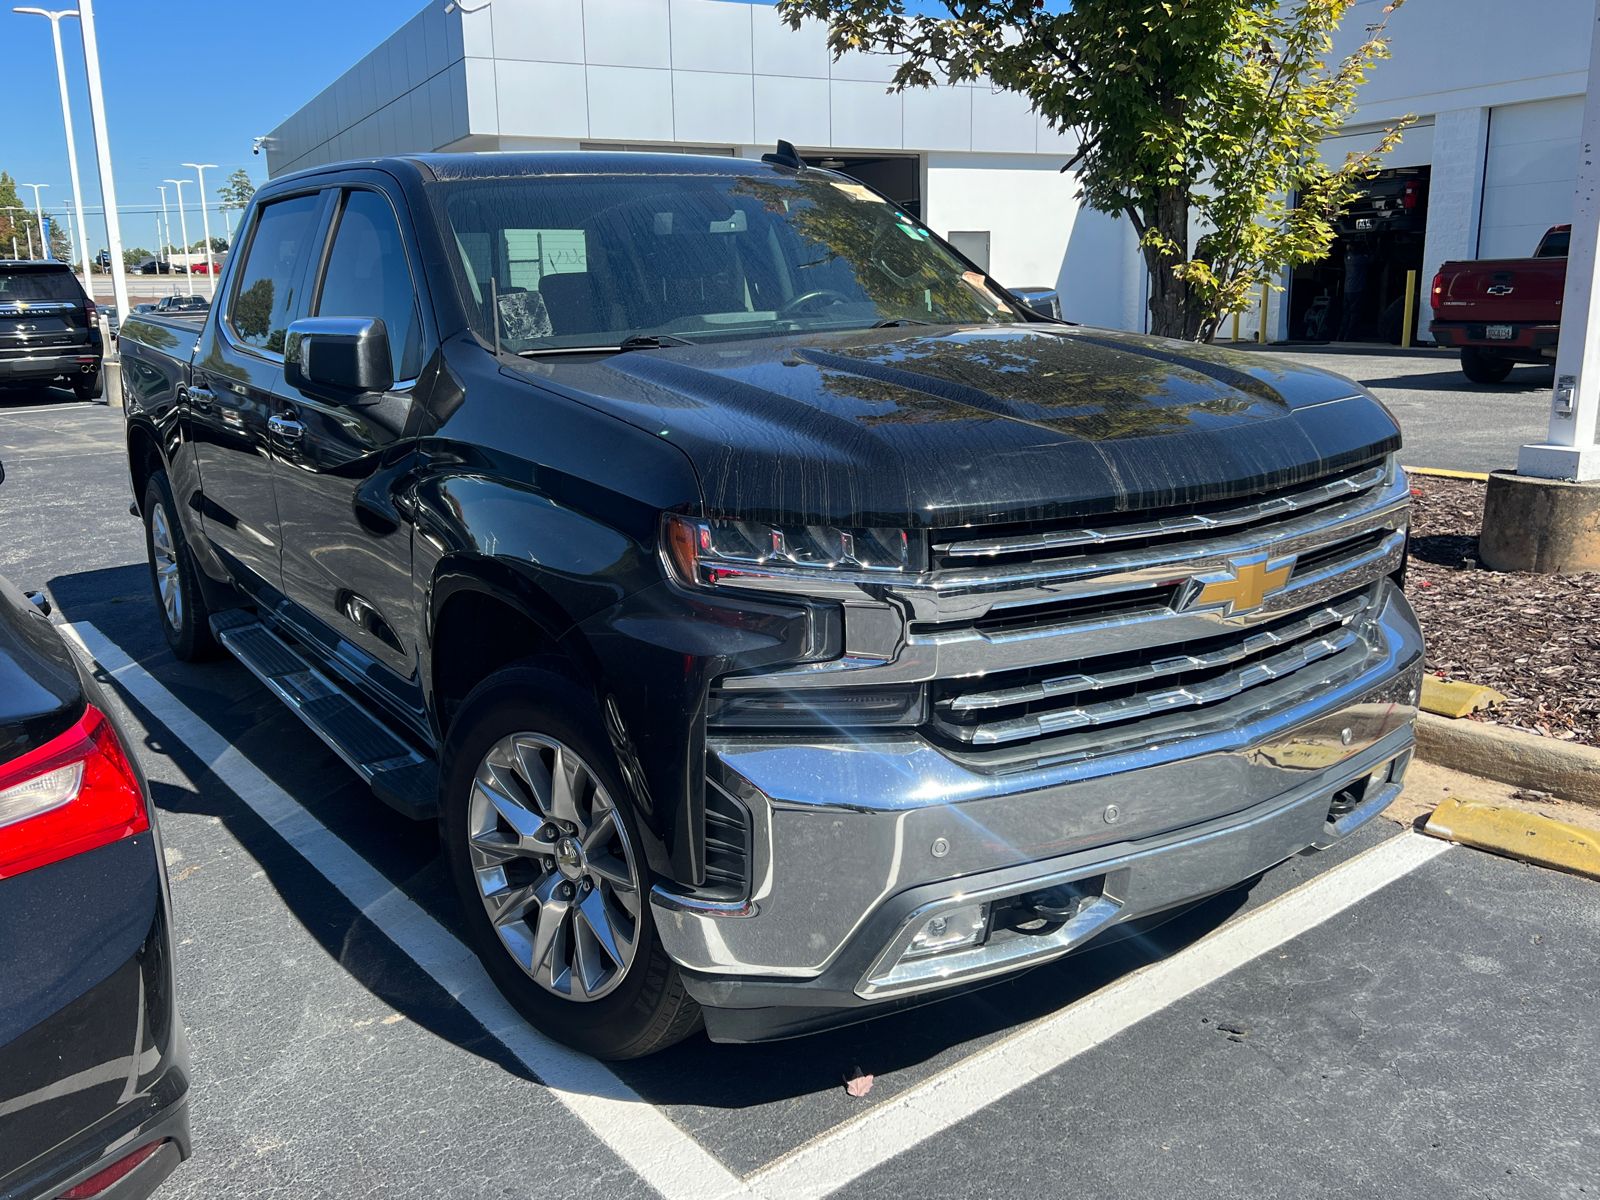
{"points": [[781, 621]]}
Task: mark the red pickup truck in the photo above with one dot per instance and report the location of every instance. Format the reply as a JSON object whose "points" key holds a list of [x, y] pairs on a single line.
{"points": [[1502, 311]]}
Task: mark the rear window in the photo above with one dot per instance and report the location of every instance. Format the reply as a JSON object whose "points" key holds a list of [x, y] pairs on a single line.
{"points": [[1555, 244], [38, 283]]}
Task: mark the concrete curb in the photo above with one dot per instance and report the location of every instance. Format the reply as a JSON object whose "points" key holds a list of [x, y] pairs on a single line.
{"points": [[1522, 759], [1515, 833]]}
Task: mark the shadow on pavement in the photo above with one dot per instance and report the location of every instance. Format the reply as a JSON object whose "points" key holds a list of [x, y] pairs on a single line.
{"points": [[1520, 381]]}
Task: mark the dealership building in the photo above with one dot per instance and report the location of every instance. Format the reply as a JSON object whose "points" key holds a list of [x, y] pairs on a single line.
{"points": [[1496, 86]]}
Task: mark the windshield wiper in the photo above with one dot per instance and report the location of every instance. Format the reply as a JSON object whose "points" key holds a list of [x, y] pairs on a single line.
{"points": [[893, 322], [642, 341]]}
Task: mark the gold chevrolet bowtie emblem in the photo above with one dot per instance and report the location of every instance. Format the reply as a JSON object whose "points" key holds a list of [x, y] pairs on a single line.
{"points": [[1244, 586]]}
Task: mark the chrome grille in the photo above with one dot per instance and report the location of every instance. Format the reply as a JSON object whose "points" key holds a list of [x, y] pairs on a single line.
{"points": [[1116, 689], [1078, 638]]}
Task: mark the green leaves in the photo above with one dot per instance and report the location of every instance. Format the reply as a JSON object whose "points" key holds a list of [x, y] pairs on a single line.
{"points": [[1200, 120]]}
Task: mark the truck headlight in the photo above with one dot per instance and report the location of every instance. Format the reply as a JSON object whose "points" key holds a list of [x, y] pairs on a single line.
{"points": [[795, 558]]}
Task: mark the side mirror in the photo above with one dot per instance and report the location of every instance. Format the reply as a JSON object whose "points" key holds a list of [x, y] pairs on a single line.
{"points": [[347, 356]]}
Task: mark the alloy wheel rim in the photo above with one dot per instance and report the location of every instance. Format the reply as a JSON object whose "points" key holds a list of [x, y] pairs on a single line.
{"points": [[554, 867], [164, 561]]}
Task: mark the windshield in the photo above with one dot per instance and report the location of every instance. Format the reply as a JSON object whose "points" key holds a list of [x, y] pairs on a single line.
{"points": [[592, 260], [38, 283]]}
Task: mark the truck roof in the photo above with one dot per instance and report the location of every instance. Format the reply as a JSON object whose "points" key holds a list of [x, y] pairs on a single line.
{"points": [[496, 164]]}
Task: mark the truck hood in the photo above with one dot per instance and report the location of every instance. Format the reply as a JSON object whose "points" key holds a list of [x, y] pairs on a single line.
{"points": [[978, 425]]}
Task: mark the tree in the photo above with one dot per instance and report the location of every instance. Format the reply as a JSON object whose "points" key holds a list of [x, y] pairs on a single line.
{"points": [[135, 256], [236, 190], [1199, 120]]}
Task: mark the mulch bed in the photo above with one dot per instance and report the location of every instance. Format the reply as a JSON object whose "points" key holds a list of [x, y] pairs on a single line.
{"points": [[1535, 638]]}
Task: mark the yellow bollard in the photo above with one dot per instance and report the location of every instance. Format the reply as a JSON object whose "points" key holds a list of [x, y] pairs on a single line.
{"points": [[1408, 323], [1236, 327], [1261, 334]]}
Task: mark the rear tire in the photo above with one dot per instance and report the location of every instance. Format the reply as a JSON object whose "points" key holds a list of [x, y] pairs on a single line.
{"points": [[1483, 366], [89, 387], [180, 604], [556, 854]]}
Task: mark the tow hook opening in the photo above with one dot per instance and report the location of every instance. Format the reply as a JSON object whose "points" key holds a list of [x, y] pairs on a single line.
{"points": [[1048, 909], [1349, 797]]}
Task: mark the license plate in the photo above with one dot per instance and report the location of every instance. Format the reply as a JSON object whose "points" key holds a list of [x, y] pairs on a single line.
{"points": [[1363, 222], [1499, 333]]}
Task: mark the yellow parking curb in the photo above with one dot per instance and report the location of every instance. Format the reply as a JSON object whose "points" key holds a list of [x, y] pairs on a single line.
{"points": [[1456, 698], [1442, 473], [1517, 833]]}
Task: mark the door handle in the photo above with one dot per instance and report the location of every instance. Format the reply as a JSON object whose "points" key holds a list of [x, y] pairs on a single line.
{"points": [[200, 398], [287, 428]]}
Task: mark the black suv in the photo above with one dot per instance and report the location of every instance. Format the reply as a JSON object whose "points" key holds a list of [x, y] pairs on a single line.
{"points": [[49, 330]]}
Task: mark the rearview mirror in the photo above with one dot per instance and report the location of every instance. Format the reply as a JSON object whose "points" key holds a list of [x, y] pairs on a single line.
{"points": [[347, 356]]}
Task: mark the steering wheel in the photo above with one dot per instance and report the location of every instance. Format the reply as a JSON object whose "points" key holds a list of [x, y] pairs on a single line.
{"points": [[792, 306]]}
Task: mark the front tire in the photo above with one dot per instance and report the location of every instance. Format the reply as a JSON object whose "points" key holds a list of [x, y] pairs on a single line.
{"points": [[549, 868], [180, 604], [1482, 366]]}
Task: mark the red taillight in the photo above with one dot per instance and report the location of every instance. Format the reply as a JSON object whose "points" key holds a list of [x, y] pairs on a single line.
{"points": [[1410, 197], [99, 1182], [1438, 288], [93, 310], [74, 793]]}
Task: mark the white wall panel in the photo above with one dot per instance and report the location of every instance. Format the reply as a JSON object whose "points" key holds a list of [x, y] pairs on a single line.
{"points": [[937, 118], [626, 104], [779, 50], [483, 93], [710, 35], [1003, 121], [864, 115], [794, 109], [709, 107], [552, 90], [856, 64], [627, 33], [538, 30]]}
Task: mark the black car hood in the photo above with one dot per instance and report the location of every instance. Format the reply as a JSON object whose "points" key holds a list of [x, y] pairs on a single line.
{"points": [[978, 425], [40, 695]]}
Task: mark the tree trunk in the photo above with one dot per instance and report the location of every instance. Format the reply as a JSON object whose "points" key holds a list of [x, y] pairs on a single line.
{"points": [[1173, 310]]}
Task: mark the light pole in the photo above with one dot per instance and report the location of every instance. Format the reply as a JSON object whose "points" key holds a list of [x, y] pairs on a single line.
{"points": [[205, 220], [55, 19], [102, 146], [38, 215], [166, 224], [183, 222]]}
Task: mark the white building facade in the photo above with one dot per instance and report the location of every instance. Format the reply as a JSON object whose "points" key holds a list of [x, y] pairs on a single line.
{"points": [[1497, 87]]}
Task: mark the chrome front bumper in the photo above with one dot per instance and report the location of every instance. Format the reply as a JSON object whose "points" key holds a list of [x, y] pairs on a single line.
{"points": [[855, 843]]}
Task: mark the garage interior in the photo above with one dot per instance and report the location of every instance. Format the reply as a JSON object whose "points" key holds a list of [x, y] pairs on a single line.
{"points": [[1357, 293]]}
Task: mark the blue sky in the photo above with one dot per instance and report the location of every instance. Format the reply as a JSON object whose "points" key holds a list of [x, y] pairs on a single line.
{"points": [[185, 81]]}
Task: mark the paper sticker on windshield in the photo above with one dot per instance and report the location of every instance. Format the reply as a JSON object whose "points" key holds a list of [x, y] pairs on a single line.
{"points": [[856, 191], [912, 232], [976, 281]]}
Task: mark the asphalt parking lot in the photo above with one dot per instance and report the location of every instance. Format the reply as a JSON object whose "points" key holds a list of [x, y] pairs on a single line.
{"points": [[1394, 1017], [1448, 421]]}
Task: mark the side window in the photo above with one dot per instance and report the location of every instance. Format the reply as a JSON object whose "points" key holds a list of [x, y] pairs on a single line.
{"points": [[367, 276], [263, 300]]}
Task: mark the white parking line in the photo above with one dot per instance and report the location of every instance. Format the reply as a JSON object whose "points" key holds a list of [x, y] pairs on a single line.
{"points": [[665, 1157], [847, 1152]]}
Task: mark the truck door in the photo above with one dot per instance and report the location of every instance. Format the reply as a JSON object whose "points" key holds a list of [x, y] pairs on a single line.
{"points": [[236, 376], [346, 555]]}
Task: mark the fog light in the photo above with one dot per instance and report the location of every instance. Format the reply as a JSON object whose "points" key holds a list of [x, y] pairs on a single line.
{"points": [[950, 930]]}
